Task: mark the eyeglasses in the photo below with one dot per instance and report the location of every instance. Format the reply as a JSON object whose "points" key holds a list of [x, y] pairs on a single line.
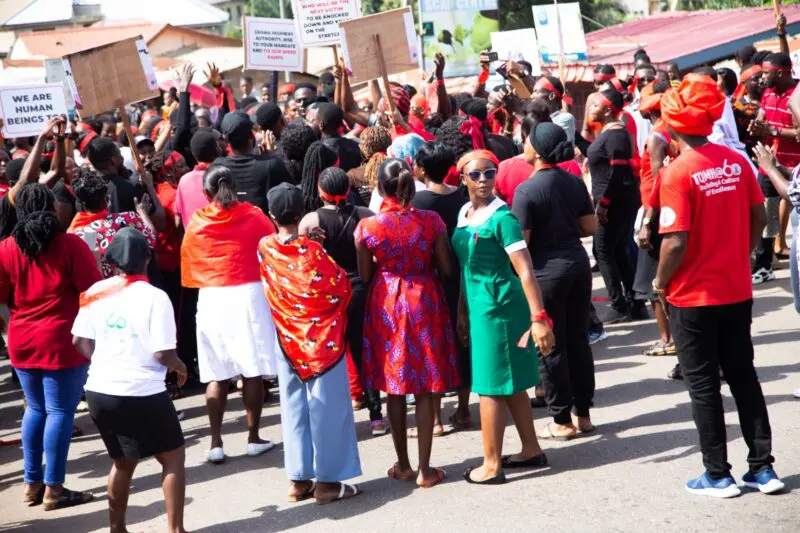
{"points": [[489, 174]]}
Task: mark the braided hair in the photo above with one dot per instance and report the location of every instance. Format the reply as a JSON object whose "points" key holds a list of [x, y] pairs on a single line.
{"points": [[374, 142], [318, 158], [90, 190], [296, 138], [37, 226], [334, 181]]}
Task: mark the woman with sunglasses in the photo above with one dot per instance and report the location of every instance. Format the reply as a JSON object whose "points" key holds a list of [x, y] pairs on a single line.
{"points": [[502, 311]]}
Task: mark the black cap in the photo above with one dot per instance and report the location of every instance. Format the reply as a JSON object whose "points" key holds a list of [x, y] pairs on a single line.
{"points": [[285, 203], [237, 125], [129, 250]]}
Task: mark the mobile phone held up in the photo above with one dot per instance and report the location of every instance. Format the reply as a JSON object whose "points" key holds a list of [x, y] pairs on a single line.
{"points": [[492, 56]]}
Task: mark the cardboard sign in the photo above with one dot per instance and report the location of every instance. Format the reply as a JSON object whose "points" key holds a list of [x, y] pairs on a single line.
{"points": [[26, 108], [546, 20], [400, 51], [318, 21], [518, 45], [271, 44], [111, 75]]}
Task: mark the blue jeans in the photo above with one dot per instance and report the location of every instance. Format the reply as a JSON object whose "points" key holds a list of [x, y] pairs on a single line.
{"points": [[52, 397], [793, 270]]}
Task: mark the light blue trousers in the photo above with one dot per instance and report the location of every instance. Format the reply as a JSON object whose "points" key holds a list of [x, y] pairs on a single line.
{"points": [[319, 432], [793, 269]]}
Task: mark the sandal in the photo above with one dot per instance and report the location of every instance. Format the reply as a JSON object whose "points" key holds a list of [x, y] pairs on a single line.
{"points": [[343, 494], [412, 433], [658, 348], [499, 479], [394, 474], [68, 498], [294, 498], [33, 499], [537, 461], [440, 475], [460, 426], [670, 348], [547, 434]]}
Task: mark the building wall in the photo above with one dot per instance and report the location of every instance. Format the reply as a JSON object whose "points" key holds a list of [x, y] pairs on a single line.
{"points": [[170, 41]]}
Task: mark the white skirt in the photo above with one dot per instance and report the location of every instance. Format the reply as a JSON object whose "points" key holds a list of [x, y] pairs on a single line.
{"points": [[235, 333]]}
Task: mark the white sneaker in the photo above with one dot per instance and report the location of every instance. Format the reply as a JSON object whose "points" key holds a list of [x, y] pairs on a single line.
{"points": [[796, 393], [83, 407], [257, 448], [215, 455], [763, 275]]}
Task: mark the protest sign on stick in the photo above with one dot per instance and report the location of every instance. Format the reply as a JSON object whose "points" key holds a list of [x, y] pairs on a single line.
{"points": [[398, 41], [26, 108], [271, 44], [318, 20]]}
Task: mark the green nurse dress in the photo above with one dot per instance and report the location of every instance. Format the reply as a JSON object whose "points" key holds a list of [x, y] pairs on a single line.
{"points": [[498, 311]]}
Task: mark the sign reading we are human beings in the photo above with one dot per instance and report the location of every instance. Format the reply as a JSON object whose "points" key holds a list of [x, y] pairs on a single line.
{"points": [[271, 44], [318, 20], [25, 109]]}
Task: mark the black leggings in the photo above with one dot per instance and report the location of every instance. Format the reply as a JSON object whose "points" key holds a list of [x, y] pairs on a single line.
{"points": [[355, 336], [611, 243], [568, 373]]}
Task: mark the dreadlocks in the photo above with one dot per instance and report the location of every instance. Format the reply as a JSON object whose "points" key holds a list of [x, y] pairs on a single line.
{"points": [[374, 142], [318, 158], [37, 225], [296, 138]]}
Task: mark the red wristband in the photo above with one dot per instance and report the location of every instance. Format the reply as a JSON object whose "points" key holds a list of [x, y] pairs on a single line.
{"points": [[605, 202], [541, 316]]}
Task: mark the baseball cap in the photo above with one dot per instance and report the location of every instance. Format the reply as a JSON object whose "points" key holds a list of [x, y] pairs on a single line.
{"points": [[285, 203], [237, 125]]}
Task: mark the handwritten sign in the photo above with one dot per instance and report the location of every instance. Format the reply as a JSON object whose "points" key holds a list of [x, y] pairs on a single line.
{"points": [[271, 44], [318, 20], [25, 109]]}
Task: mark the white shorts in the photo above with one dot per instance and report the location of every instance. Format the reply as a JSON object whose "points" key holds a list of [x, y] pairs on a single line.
{"points": [[235, 333]]}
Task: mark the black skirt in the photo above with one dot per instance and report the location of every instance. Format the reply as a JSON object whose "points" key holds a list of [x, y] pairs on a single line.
{"points": [[135, 427]]}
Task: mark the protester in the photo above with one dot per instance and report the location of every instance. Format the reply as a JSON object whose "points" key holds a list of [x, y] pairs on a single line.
{"points": [[320, 447], [373, 143], [318, 157], [492, 315], [708, 286], [235, 332], [126, 327], [745, 108], [405, 148], [413, 352], [551, 90], [293, 145], [327, 120], [42, 272], [189, 196]]}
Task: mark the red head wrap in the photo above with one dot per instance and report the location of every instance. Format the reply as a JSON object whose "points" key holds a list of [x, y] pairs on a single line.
{"points": [[749, 73], [545, 84], [475, 155], [599, 77], [694, 107], [474, 128], [648, 100]]}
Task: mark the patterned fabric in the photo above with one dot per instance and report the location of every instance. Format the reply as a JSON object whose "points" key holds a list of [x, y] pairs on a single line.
{"points": [[308, 294], [107, 227], [745, 112], [409, 344]]}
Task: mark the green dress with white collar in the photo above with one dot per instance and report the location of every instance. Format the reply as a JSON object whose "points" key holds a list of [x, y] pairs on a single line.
{"points": [[498, 311]]}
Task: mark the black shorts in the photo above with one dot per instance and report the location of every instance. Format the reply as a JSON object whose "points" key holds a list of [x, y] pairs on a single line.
{"points": [[135, 427]]}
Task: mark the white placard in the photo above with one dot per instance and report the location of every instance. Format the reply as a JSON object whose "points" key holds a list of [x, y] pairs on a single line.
{"points": [[147, 64], [518, 45], [54, 73], [318, 21], [26, 108], [546, 21], [271, 44]]}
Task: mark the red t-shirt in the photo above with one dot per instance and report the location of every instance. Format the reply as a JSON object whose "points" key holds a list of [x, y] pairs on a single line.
{"points": [[168, 242], [630, 127], [776, 113], [42, 296], [708, 192], [647, 183], [512, 172]]}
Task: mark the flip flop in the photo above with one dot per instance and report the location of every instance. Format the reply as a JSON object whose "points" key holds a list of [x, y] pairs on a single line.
{"points": [[547, 434], [499, 479], [392, 473], [294, 498], [537, 461], [68, 498], [440, 475], [459, 426], [343, 494], [412, 433]]}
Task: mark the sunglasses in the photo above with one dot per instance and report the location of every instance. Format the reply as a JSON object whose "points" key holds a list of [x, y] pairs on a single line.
{"points": [[489, 174]]}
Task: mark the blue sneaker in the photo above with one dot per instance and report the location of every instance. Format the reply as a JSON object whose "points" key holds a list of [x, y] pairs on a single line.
{"points": [[597, 336], [766, 481], [717, 488]]}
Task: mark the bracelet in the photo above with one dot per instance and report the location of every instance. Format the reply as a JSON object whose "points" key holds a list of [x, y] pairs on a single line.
{"points": [[605, 202], [541, 316], [657, 290]]}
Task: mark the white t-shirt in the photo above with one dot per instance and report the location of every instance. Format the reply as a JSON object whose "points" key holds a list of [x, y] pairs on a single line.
{"points": [[376, 199], [128, 328]]}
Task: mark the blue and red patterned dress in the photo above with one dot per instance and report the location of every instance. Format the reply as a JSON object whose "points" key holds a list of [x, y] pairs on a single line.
{"points": [[409, 344]]}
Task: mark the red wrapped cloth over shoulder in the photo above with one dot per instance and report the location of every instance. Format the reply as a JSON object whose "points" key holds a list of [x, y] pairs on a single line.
{"points": [[308, 294], [219, 248]]}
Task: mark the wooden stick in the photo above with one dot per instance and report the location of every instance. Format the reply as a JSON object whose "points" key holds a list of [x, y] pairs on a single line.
{"points": [[777, 5], [387, 92], [126, 124], [335, 55]]}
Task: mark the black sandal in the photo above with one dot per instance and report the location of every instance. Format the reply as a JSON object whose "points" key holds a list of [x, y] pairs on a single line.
{"points": [[68, 498], [537, 461], [499, 479]]}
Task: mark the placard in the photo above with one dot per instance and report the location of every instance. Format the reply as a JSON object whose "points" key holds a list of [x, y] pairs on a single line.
{"points": [[271, 44], [400, 53], [317, 21], [110, 75], [54, 72], [147, 64], [518, 45], [459, 29], [26, 108], [546, 21]]}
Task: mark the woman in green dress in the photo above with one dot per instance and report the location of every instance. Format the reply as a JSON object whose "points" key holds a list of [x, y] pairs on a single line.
{"points": [[500, 311]]}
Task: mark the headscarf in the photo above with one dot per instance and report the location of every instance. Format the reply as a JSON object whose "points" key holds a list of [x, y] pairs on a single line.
{"points": [[406, 147], [476, 155], [694, 107], [551, 143], [749, 73]]}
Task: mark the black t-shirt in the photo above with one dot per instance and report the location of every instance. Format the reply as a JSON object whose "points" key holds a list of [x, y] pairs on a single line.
{"points": [[501, 146], [121, 193], [254, 176], [339, 226], [446, 205], [609, 164], [549, 204], [348, 150]]}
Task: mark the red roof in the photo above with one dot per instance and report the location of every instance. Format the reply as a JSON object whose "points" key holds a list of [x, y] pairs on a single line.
{"points": [[690, 38], [57, 43]]}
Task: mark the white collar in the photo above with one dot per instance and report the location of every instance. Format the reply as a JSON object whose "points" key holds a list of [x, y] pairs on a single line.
{"points": [[481, 215]]}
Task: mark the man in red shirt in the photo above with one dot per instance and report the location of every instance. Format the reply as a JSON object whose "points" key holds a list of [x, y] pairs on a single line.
{"points": [[712, 215]]}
